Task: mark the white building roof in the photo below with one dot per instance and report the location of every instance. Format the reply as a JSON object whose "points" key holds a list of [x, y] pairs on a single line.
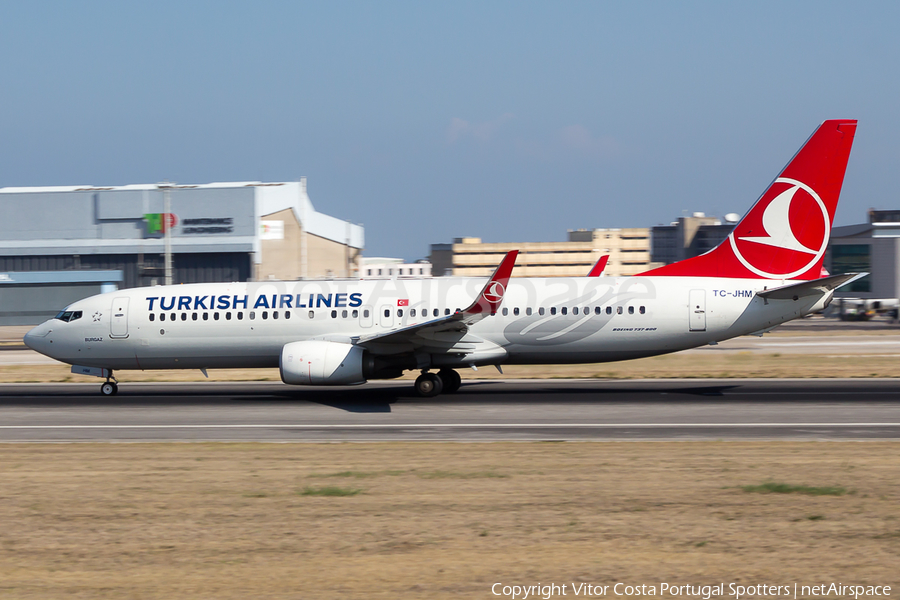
{"points": [[269, 198]]}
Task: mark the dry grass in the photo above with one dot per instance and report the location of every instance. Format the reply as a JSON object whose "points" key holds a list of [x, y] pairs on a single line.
{"points": [[437, 520]]}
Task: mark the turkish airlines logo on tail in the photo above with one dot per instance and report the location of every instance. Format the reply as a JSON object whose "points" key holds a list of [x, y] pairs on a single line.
{"points": [[494, 293], [788, 236]]}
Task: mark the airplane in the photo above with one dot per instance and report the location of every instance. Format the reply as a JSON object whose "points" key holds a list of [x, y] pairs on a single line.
{"points": [[346, 332]]}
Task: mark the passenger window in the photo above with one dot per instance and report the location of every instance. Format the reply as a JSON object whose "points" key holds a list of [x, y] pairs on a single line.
{"points": [[228, 316], [541, 310], [252, 315], [597, 310], [365, 313], [265, 315], [575, 311], [162, 316], [152, 317], [446, 311], [387, 312], [564, 310], [287, 314], [240, 316], [399, 312], [609, 310], [630, 310], [643, 310], [274, 314], [516, 311], [354, 314], [528, 312], [184, 316], [312, 314], [435, 312], [412, 312], [505, 312], [334, 314], [206, 316], [552, 310], [215, 316], [344, 314], [193, 316], [618, 310]]}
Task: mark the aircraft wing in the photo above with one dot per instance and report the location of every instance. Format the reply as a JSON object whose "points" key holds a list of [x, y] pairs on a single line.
{"points": [[451, 330], [815, 287]]}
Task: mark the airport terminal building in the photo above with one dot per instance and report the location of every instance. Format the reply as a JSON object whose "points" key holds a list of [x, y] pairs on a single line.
{"points": [[628, 251], [79, 238], [872, 247]]}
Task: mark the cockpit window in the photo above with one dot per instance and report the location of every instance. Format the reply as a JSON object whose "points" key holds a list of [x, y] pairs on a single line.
{"points": [[68, 315]]}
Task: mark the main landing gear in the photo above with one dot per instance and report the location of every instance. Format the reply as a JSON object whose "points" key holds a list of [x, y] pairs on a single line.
{"points": [[429, 385], [110, 388]]}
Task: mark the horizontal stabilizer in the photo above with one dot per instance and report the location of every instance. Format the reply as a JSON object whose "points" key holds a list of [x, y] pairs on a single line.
{"points": [[816, 287]]}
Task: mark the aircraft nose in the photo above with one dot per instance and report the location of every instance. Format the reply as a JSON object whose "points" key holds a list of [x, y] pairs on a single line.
{"points": [[36, 338]]}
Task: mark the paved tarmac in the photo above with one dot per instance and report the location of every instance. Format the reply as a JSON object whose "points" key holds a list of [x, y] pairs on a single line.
{"points": [[577, 409]]}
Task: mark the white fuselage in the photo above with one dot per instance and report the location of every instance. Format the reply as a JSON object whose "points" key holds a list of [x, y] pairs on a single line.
{"points": [[555, 320]]}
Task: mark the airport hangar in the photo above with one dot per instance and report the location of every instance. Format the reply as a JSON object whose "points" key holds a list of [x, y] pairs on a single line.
{"points": [[60, 244]]}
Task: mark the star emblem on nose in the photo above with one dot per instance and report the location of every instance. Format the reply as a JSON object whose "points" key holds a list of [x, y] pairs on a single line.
{"points": [[97, 316]]}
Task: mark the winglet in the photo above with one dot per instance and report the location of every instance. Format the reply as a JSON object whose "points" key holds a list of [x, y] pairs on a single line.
{"points": [[488, 301], [598, 268]]}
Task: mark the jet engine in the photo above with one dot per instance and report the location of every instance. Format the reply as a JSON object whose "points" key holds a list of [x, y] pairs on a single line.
{"points": [[317, 362]]}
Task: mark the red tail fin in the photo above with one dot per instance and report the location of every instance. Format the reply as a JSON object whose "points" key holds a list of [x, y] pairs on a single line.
{"points": [[785, 234]]}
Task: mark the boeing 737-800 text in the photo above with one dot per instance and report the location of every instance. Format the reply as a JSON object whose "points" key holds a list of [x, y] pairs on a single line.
{"points": [[344, 332]]}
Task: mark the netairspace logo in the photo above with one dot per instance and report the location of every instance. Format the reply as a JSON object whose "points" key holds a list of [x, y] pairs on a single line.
{"points": [[705, 592]]}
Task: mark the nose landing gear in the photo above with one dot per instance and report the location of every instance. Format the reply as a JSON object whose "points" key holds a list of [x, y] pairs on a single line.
{"points": [[110, 388]]}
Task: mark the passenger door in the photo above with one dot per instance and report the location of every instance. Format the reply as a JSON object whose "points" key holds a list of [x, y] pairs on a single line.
{"points": [[697, 310], [118, 322]]}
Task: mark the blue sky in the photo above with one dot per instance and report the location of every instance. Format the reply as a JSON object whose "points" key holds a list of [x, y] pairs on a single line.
{"points": [[511, 121]]}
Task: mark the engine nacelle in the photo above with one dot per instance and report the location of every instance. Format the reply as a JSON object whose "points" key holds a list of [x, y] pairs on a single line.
{"points": [[317, 362]]}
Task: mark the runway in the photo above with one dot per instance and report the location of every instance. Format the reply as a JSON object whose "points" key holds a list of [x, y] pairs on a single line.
{"points": [[502, 410]]}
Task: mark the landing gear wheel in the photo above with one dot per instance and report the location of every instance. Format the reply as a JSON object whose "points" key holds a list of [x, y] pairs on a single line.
{"points": [[109, 388], [450, 379], [429, 385]]}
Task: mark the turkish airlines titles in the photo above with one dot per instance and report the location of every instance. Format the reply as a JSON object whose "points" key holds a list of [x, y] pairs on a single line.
{"points": [[226, 302]]}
